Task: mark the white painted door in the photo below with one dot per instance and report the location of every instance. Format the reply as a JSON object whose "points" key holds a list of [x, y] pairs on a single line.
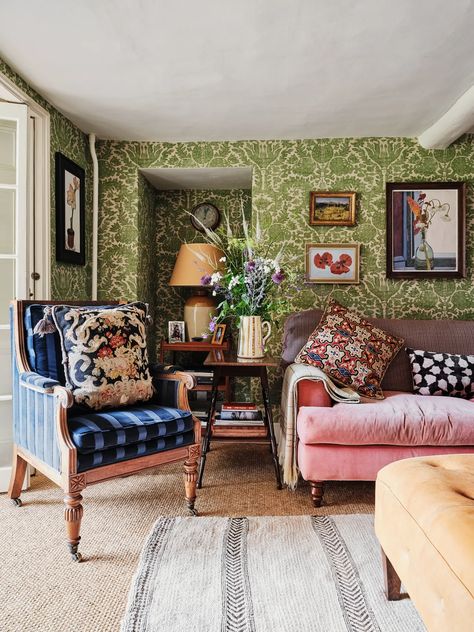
{"points": [[13, 256]]}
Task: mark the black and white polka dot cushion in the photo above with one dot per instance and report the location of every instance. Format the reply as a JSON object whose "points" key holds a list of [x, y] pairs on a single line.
{"points": [[442, 373]]}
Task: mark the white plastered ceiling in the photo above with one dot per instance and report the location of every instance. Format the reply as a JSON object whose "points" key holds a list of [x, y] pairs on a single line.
{"points": [[244, 69]]}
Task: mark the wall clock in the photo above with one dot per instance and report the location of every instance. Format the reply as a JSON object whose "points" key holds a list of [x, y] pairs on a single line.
{"points": [[207, 214]]}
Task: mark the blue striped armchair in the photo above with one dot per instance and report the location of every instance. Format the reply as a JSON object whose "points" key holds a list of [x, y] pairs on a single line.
{"points": [[76, 447]]}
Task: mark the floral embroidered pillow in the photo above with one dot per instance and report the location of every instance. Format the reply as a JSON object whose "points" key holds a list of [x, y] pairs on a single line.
{"points": [[350, 350], [104, 354]]}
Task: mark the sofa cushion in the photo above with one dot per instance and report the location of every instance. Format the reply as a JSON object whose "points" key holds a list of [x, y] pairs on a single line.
{"points": [[400, 419], [133, 450], [106, 429], [442, 373], [350, 350], [104, 354]]}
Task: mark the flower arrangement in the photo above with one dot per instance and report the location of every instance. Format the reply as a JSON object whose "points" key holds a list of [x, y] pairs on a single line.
{"points": [[248, 281], [425, 211]]}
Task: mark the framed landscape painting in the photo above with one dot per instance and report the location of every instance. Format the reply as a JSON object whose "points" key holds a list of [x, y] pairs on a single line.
{"points": [[426, 230], [70, 211], [332, 263], [331, 209]]}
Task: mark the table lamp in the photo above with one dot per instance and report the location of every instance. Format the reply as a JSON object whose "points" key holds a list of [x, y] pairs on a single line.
{"points": [[193, 262]]}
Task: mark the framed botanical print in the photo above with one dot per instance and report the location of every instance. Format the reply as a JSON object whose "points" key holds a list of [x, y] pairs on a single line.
{"points": [[70, 211], [426, 230], [331, 209], [332, 263]]}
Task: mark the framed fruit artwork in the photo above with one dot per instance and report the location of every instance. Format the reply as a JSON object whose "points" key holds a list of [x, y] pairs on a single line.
{"points": [[332, 263]]}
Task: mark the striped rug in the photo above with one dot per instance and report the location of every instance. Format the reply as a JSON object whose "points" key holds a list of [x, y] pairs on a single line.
{"points": [[264, 574]]}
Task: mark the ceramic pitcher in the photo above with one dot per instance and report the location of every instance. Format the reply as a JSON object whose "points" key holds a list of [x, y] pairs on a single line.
{"points": [[251, 341]]}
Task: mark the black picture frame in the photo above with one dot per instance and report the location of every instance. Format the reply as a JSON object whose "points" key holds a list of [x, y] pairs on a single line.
{"points": [[403, 225], [70, 220]]}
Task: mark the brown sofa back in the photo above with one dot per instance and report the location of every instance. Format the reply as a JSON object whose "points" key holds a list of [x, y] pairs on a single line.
{"points": [[448, 336]]}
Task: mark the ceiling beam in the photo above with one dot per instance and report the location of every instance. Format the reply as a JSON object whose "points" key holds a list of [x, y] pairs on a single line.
{"points": [[458, 120]]}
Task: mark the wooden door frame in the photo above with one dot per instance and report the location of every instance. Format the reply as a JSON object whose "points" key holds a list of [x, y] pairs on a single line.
{"points": [[38, 191]]}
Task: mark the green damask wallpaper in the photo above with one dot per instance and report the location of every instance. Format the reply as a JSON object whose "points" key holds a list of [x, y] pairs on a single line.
{"points": [[284, 172], [173, 227], [67, 281]]}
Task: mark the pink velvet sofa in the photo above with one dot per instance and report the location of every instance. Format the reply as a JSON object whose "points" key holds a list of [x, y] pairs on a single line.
{"points": [[354, 441]]}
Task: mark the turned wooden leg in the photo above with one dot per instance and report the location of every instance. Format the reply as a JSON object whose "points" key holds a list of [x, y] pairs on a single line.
{"points": [[17, 478], [190, 481], [317, 491], [391, 579], [73, 516]]}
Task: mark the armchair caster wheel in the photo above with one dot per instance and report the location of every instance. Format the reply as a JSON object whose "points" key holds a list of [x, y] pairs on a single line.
{"points": [[17, 502], [193, 512], [76, 557]]}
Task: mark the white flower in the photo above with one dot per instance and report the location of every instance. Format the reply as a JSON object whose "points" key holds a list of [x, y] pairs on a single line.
{"points": [[266, 269], [215, 278], [223, 259], [233, 282], [214, 293]]}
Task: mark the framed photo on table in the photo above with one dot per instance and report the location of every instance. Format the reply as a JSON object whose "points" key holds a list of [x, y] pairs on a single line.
{"points": [[218, 335], [426, 230], [70, 211], [176, 331], [332, 263]]}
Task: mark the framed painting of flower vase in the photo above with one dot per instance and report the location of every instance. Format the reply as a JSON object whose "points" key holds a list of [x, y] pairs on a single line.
{"points": [[426, 230], [70, 211], [331, 209], [332, 263]]}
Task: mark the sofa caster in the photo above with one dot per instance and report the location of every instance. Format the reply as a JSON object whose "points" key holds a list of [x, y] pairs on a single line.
{"points": [[317, 491], [17, 502]]}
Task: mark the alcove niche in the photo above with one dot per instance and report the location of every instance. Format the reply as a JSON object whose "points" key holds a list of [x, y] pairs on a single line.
{"points": [[167, 196]]}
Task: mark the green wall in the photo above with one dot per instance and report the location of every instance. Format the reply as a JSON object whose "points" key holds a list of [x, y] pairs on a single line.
{"points": [[67, 281], [284, 172], [173, 227]]}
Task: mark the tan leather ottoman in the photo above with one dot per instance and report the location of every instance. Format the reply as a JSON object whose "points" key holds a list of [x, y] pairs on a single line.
{"points": [[424, 520]]}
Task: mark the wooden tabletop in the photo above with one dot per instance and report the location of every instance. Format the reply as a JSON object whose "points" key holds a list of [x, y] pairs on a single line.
{"points": [[192, 345], [221, 357]]}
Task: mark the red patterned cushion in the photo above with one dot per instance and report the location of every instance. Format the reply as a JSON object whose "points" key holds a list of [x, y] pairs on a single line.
{"points": [[349, 349]]}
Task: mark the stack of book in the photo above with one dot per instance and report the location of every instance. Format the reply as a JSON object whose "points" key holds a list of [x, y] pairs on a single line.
{"points": [[237, 419]]}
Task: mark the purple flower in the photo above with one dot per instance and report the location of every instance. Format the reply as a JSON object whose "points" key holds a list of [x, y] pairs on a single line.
{"points": [[212, 324], [278, 276], [250, 265], [206, 279]]}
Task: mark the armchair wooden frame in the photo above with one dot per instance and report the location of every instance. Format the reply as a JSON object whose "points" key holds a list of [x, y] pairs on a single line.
{"points": [[68, 478]]}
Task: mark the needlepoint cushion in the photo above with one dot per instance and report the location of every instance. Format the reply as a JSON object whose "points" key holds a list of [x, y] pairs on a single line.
{"points": [[104, 354], [349, 349], [442, 373]]}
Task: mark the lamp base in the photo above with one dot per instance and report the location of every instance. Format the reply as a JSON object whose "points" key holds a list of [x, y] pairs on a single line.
{"points": [[198, 311]]}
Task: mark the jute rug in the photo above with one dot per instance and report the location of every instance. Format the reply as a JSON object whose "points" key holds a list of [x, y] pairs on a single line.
{"points": [[259, 574]]}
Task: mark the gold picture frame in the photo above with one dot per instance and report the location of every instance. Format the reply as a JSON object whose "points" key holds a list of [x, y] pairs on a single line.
{"points": [[219, 334], [332, 209], [332, 263]]}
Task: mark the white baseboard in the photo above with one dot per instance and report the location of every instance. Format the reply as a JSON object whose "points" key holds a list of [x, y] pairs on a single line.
{"points": [[5, 473]]}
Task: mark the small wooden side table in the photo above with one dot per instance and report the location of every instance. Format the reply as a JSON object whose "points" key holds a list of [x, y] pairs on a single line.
{"points": [[226, 364]]}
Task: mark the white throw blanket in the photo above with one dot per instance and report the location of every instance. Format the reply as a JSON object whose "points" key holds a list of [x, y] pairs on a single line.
{"points": [[289, 407]]}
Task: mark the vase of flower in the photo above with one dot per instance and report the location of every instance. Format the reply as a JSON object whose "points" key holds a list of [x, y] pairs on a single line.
{"points": [[251, 338], [424, 255]]}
